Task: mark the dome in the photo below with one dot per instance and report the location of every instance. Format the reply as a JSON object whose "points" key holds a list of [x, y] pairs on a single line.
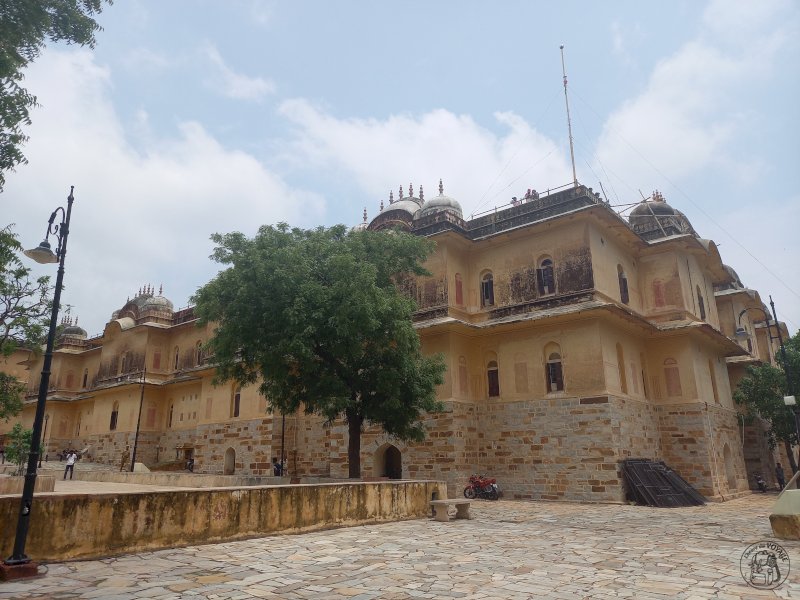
{"points": [[737, 283], [655, 218], [68, 328], [156, 303], [440, 203], [363, 225], [74, 331], [408, 205]]}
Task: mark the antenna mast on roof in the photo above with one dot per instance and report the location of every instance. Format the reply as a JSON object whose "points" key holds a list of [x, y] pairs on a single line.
{"points": [[569, 122]]}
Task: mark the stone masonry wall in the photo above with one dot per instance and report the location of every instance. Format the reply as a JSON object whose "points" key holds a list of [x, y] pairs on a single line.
{"points": [[251, 441], [758, 457], [553, 448]]}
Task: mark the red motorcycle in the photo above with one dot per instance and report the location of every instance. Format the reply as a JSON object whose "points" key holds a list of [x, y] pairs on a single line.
{"points": [[482, 487]]}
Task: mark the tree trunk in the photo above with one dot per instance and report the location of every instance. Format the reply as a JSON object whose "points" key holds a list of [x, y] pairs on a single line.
{"points": [[354, 422], [792, 463]]}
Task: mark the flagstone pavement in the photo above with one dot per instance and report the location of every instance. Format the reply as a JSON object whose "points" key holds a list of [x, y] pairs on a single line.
{"points": [[510, 550]]}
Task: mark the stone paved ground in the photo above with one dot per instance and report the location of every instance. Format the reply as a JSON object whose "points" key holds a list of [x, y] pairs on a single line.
{"points": [[510, 551]]}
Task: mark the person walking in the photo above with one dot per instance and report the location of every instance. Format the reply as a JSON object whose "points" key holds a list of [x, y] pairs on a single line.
{"points": [[779, 475], [71, 458]]}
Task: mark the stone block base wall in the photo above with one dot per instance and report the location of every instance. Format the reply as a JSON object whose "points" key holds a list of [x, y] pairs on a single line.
{"points": [[703, 443], [759, 458], [248, 442], [92, 526]]}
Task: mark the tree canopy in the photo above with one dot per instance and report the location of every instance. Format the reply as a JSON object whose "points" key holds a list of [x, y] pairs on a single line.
{"points": [[24, 316], [761, 394], [25, 25], [316, 319]]}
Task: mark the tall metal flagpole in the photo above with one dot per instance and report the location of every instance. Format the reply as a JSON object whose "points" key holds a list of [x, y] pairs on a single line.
{"points": [[569, 121]]}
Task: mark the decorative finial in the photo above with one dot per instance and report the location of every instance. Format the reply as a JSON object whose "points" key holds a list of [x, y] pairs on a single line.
{"points": [[365, 214], [76, 321], [161, 289], [391, 197], [139, 293], [410, 190], [421, 195], [657, 196], [441, 188], [381, 209], [401, 192]]}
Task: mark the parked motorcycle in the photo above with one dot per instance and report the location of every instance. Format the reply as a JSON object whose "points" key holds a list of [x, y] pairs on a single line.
{"points": [[762, 485], [482, 487]]}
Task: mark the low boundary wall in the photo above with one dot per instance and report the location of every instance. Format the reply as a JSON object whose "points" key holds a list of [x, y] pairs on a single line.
{"points": [[65, 527]]}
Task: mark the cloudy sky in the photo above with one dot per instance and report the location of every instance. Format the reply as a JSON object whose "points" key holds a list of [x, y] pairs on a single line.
{"points": [[194, 117]]}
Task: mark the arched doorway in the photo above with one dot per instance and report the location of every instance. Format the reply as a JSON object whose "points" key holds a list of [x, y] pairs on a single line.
{"points": [[394, 463], [388, 462], [230, 461], [730, 468]]}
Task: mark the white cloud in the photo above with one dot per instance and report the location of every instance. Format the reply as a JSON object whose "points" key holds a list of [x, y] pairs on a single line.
{"points": [[235, 85], [145, 58], [683, 122], [261, 12], [480, 168], [139, 217]]}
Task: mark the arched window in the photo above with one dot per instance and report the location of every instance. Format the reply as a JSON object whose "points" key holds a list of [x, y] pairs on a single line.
{"points": [[554, 373], [156, 359], [493, 379], [658, 293], [701, 305], [85, 377], [171, 411], [623, 380], [177, 354], [672, 376], [198, 352], [711, 372], [123, 364], [114, 416], [623, 285], [459, 290], [545, 277], [487, 290], [236, 402]]}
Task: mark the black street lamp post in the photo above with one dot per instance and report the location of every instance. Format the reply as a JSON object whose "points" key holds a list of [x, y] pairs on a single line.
{"points": [[790, 399], [42, 254]]}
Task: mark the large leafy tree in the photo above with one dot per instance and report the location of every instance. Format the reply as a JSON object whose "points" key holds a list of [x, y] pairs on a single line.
{"points": [[761, 394], [25, 25], [24, 311], [316, 318]]}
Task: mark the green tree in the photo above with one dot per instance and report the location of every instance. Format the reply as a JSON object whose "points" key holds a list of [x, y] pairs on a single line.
{"points": [[25, 25], [760, 393], [316, 318], [24, 302], [18, 446], [24, 315]]}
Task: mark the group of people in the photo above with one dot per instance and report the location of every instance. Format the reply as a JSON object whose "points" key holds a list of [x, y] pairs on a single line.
{"points": [[529, 195]]}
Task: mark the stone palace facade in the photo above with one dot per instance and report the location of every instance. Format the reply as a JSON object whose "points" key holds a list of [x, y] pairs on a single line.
{"points": [[574, 338]]}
